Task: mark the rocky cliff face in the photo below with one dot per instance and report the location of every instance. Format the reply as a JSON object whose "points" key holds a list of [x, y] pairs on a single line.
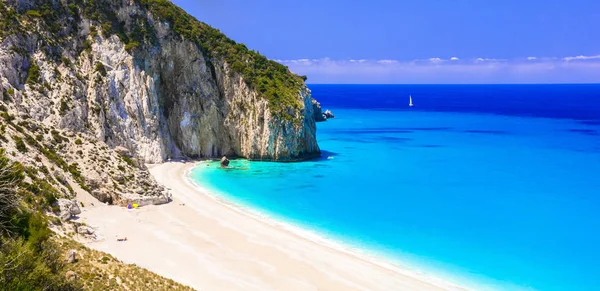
{"points": [[164, 100], [115, 75]]}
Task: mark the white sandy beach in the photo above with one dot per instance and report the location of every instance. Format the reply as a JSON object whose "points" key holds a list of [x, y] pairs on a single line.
{"points": [[201, 242]]}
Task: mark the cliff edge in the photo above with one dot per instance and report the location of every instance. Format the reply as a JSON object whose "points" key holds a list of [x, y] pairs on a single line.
{"points": [[92, 90], [146, 76]]}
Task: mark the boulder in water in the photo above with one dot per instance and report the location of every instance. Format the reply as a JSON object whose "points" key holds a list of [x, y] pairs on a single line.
{"points": [[318, 113], [328, 114], [224, 162]]}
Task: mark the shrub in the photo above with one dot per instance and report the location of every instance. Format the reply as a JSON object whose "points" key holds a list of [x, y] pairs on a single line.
{"points": [[106, 28], [87, 45], [78, 142], [93, 31], [66, 61], [129, 161], [33, 74], [100, 69], [33, 13], [56, 136], [130, 47], [63, 106], [20, 144]]}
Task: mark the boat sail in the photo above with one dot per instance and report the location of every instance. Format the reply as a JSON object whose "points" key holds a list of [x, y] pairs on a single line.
{"points": [[410, 103]]}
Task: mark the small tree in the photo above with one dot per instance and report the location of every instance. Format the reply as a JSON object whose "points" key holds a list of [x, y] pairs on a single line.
{"points": [[33, 75], [11, 175]]}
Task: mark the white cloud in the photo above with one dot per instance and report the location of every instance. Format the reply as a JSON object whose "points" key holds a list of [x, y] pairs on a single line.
{"points": [[568, 59], [453, 70], [387, 62]]}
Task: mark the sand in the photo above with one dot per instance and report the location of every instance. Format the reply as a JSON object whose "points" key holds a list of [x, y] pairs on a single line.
{"points": [[209, 245]]}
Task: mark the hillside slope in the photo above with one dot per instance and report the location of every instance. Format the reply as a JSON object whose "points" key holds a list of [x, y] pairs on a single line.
{"points": [[146, 76]]}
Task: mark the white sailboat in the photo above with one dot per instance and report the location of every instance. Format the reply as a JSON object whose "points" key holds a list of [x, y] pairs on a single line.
{"points": [[410, 103]]}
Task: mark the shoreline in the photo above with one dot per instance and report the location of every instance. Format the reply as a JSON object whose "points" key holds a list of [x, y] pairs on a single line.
{"points": [[314, 236], [238, 248]]}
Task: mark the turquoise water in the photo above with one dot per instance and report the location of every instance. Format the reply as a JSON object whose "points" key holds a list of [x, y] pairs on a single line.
{"points": [[505, 199]]}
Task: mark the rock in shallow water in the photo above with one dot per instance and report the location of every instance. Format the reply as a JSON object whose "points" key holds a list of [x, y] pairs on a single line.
{"points": [[328, 114], [318, 111], [224, 162]]}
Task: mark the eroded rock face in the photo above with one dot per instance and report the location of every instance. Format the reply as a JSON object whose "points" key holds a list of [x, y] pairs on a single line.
{"points": [[318, 111], [167, 101], [123, 107]]}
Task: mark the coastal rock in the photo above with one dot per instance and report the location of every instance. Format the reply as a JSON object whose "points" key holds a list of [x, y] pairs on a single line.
{"points": [[99, 110], [68, 208], [328, 114], [318, 111], [224, 162], [71, 256], [170, 100]]}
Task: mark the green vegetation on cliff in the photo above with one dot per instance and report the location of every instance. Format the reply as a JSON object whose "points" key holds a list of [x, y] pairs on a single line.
{"points": [[29, 259], [270, 79], [273, 80], [32, 257]]}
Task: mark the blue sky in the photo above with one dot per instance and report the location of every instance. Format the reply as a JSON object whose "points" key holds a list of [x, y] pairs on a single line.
{"points": [[418, 41]]}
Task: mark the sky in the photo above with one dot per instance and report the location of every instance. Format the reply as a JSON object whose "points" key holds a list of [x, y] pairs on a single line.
{"points": [[417, 41]]}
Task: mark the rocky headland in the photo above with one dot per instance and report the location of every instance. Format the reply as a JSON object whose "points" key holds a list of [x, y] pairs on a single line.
{"points": [[92, 91]]}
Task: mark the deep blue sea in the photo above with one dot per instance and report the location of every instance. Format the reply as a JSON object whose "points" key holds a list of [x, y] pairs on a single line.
{"points": [[496, 186]]}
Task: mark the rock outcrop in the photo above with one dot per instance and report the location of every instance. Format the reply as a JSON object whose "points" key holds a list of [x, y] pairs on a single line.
{"points": [[162, 99], [71, 256], [224, 162], [96, 89], [318, 111], [328, 114], [68, 208]]}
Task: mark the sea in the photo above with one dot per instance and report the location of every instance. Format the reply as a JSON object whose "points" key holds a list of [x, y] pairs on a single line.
{"points": [[492, 187]]}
